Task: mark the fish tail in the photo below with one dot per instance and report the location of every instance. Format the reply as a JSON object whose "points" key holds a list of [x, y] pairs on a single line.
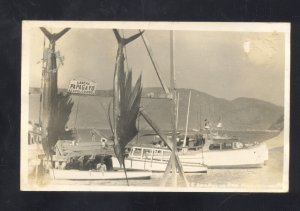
{"points": [[125, 41]]}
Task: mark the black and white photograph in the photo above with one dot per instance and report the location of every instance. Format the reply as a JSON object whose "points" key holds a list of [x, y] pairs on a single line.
{"points": [[155, 106]]}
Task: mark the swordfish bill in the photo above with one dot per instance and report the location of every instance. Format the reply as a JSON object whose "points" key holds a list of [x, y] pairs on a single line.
{"points": [[49, 92], [126, 101]]}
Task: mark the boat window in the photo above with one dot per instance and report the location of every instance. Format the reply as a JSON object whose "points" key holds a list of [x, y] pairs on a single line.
{"points": [[227, 146], [214, 147], [137, 152], [146, 153], [156, 152], [167, 153], [237, 145]]}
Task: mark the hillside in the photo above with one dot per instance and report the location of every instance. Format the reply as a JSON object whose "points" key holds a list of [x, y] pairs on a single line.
{"points": [[239, 114], [278, 125]]}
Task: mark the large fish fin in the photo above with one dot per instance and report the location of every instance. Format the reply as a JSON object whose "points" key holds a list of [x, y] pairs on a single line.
{"points": [[131, 109]]}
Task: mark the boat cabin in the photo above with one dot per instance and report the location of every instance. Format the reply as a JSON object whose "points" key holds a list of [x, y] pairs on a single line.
{"points": [[226, 146], [193, 141], [147, 153]]}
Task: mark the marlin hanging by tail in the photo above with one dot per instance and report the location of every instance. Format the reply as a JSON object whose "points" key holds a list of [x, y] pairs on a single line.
{"points": [[56, 107], [126, 101]]}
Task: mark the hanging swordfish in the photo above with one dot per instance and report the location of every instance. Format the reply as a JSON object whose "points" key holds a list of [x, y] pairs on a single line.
{"points": [[126, 101]]}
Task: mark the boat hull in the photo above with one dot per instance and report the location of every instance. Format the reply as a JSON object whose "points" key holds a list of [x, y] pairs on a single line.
{"points": [[252, 157], [96, 175]]}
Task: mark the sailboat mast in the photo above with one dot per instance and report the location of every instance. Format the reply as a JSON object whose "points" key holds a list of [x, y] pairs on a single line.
{"points": [[174, 112], [187, 120], [177, 109]]}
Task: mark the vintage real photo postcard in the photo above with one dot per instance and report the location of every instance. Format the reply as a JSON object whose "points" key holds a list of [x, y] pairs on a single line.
{"points": [[155, 106]]}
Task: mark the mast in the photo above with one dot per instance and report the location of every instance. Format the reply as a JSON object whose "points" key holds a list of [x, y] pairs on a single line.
{"points": [[177, 109], [174, 110], [174, 161], [187, 120]]}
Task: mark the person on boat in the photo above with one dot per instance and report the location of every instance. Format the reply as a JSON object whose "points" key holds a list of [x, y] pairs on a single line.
{"points": [[157, 144], [93, 135], [101, 167], [79, 162], [103, 142], [187, 141], [146, 154], [90, 162]]}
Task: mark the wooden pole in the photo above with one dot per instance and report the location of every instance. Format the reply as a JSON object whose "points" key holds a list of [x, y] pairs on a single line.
{"points": [[174, 112], [177, 109], [174, 161], [187, 120]]}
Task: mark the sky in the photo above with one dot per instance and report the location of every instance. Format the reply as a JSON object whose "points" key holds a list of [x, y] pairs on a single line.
{"points": [[225, 64]]}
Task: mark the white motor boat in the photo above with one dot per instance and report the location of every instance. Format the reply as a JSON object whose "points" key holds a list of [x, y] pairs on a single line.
{"points": [[156, 160], [225, 153]]}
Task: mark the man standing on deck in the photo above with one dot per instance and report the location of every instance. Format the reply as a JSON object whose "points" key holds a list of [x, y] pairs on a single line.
{"points": [[101, 167], [93, 135]]}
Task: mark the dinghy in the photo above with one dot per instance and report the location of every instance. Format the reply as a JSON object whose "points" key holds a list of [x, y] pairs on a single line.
{"points": [[58, 174]]}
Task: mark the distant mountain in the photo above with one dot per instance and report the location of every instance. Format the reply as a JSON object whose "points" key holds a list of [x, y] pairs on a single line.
{"points": [[278, 125], [238, 114]]}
